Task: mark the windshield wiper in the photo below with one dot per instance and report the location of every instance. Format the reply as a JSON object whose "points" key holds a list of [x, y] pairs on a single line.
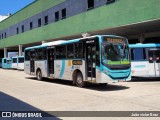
{"points": [[114, 49]]}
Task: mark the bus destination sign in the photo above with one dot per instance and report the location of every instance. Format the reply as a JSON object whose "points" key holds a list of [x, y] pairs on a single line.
{"points": [[114, 40]]}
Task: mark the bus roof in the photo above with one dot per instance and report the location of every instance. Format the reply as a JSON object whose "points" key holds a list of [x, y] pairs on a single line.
{"points": [[60, 42], [6, 58], [18, 57], [140, 45]]}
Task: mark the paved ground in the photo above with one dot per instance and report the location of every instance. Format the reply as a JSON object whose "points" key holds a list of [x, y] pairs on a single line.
{"points": [[19, 91]]}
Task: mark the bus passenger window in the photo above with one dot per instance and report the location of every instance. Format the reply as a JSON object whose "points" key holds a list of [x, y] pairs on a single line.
{"points": [[138, 54], [41, 54], [27, 55], [32, 55], [157, 56], [70, 51], [61, 52], [79, 50]]}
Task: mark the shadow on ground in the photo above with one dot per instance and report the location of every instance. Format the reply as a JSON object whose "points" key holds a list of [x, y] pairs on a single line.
{"points": [[97, 87], [142, 79], [11, 104]]}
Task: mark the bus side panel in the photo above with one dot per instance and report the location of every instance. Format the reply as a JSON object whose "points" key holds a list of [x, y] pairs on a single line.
{"points": [[64, 69], [42, 65], [27, 67], [140, 68], [20, 66], [14, 65], [59, 68], [70, 68]]}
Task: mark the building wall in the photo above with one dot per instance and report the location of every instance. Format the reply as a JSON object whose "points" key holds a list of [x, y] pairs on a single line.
{"points": [[73, 7], [121, 12]]}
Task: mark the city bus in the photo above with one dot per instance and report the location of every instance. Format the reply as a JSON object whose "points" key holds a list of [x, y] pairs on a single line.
{"points": [[96, 59], [145, 60], [14, 63], [0, 62], [6, 63], [18, 62]]}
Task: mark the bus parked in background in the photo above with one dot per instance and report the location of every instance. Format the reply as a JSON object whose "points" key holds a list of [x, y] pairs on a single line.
{"points": [[20, 63], [96, 59], [6, 63], [14, 62], [0, 62], [145, 60]]}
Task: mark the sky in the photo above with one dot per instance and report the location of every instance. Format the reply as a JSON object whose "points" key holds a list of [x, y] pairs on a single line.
{"points": [[12, 6]]}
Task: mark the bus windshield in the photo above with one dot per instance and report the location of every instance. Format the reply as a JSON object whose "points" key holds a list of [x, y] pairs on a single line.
{"points": [[115, 51]]}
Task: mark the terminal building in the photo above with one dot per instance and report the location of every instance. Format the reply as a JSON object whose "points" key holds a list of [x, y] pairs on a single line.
{"points": [[50, 20]]}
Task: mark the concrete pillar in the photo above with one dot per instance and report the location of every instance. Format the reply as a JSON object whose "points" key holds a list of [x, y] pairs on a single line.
{"points": [[5, 53], [20, 50]]}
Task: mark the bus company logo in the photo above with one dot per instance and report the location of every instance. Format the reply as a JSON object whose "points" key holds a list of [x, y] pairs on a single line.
{"points": [[21, 115], [6, 114]]}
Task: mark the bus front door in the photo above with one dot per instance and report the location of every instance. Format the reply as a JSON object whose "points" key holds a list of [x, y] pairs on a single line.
{"points": [[51, 62], [154, 63], [91, 61]]}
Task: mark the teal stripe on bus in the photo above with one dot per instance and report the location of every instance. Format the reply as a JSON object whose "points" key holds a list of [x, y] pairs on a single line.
{"points": [[62, 69]]}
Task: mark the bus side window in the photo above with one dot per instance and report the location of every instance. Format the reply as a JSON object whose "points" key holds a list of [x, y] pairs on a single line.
{"points": [[41, 54], [61, 52], [79, 50], [32, 55], [97, 55], [132, 54], [70, 51], [27, 55], [138, 54]]}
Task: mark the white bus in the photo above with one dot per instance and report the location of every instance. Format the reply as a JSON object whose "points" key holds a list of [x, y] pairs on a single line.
{"points": [[18, 62], [14, 62], [96, 59], [145, 60]]}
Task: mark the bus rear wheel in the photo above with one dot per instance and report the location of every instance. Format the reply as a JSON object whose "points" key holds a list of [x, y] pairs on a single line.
{"points": [[39, 75], [79, 80]]}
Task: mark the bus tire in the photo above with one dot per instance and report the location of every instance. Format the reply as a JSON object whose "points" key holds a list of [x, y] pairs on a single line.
{"points": [[79, 80], [39, 75], [103, 84]]}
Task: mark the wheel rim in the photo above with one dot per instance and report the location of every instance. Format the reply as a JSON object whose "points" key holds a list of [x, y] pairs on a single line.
{"points": [[79, 80]]}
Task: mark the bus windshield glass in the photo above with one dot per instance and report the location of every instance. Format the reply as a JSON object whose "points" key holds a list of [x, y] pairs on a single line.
{"points": [[115, 51]]}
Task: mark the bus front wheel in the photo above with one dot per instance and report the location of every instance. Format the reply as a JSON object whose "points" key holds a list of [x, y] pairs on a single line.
{"points": [[39, 75], [79, 80]]}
